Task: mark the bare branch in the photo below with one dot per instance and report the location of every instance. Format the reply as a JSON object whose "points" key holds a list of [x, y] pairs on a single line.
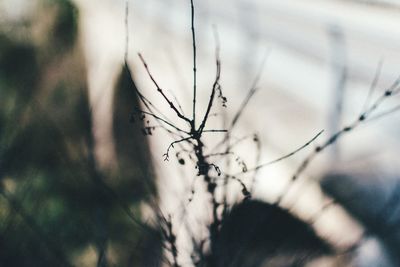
{"points": [[146, 102], [285, 156], [177, 102], [256, 139], [215, 131], [214, 88], [194, 62], [393, 90], [162, 120], [166, 155], [250, 94], [171, 105]]}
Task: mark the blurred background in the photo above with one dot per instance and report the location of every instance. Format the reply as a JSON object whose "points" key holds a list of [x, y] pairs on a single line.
{"points": [[77, 177]]}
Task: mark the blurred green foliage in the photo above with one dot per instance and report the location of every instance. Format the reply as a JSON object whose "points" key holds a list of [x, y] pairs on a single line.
{"points": [[54, 203]]}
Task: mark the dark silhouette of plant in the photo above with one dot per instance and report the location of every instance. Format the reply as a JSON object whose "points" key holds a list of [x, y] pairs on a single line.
{"points": [[192, 137], [190, 140]]}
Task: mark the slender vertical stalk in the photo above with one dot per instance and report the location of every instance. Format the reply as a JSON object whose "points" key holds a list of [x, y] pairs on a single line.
{"points": [[194, 64]]}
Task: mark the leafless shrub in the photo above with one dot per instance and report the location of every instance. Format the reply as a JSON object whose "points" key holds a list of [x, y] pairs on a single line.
{"points": [[190, 141]]}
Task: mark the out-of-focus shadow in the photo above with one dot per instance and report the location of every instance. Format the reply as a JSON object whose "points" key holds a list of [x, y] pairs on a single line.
{"points": [[261, 234], [55, 205], [372, 196]]}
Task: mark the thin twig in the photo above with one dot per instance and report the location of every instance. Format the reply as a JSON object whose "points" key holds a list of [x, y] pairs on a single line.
{"points": [[215, 131], [373, 85], [384, 113], [256, 139], [146, 102], [194, 62], [177, 102], [162, 120], [283, 157], [166, 155], [219, 154], [214, 88], [171, 105], [393, 90], [252, 91]]}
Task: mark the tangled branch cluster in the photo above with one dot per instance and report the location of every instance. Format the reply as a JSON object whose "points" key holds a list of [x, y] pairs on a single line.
{"points": [[190, 141]]}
